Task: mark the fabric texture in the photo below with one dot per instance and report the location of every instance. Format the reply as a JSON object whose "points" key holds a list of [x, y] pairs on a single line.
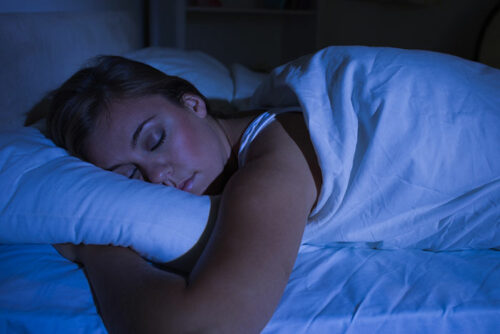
{"points": [[246, 82], [331, 290], [211, 77], [407, 142], [50, 197]]}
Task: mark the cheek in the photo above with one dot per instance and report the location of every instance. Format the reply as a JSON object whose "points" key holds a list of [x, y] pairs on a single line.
{"points": [[204, 152], [197, 147], [186, 145]]}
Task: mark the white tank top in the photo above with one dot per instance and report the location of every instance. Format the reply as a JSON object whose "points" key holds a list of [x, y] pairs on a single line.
{"points": [[256, 127]]}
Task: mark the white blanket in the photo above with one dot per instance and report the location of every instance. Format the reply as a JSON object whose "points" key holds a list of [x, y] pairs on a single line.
{"points": [[408, 143]]}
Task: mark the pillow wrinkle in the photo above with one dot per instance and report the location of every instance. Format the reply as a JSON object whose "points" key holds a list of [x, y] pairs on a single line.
{"points": [[51, 197]]}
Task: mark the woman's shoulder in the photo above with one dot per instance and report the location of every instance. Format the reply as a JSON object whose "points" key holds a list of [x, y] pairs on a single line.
{"points": [[285, 138], [270, 131]]}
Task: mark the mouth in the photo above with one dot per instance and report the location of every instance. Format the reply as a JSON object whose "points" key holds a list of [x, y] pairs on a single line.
{"points": [[187, 185]]}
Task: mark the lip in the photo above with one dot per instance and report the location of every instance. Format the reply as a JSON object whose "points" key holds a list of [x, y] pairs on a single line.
{"points": [[187, 185]]}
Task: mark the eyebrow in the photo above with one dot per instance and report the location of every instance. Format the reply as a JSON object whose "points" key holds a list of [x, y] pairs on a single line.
{"points": [[133, 143], [137, 132]]}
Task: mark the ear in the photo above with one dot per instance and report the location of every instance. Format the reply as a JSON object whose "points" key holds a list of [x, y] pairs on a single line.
{"points": [[195, 103]]}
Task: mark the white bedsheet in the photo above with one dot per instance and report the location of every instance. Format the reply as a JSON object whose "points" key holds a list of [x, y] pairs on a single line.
{"points": [[41, 292], [331, 290], [355, 290]]}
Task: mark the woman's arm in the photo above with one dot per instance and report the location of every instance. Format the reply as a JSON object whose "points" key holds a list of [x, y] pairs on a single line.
{"points": [[240, 277]]}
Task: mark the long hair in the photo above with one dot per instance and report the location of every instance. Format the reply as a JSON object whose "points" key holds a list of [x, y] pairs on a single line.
{"points": [[77, 104]]}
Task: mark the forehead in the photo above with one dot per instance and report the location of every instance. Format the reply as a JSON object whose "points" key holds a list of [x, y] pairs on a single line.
{"points": [[114, 129], [128, 111]]}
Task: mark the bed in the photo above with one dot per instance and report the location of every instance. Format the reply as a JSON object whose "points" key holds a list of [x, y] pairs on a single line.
{"points": [[339, 287]]}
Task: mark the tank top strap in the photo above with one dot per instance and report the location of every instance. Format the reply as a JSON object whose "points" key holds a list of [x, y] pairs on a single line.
{"points": [[256, 127]]}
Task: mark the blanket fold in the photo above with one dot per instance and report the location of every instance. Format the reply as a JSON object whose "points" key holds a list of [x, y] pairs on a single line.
{"points": [[408, 143]]}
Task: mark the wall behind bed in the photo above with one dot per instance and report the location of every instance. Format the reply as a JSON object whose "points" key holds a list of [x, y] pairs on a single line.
{"points": [[260, 36], [450, 26], [44, 41]]}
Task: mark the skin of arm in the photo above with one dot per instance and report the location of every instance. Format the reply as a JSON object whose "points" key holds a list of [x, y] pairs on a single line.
{"points": [[238, 281]]}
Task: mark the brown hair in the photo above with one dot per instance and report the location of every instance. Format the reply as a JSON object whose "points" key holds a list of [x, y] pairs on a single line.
{"points": [[75, 106]]}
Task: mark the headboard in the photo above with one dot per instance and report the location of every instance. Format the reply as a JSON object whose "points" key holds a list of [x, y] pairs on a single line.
{"points": [[43, 47]]}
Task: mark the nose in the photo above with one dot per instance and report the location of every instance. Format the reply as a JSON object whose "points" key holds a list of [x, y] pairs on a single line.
{"points": [[158, 173]]}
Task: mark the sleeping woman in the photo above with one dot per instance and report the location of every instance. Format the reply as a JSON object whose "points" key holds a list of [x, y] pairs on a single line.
{"points": [[129, 118], [400, 150]]}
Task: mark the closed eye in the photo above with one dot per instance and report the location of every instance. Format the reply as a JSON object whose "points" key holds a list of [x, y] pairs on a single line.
{"points": [[159, 142], [134, 173], [130, 171]]}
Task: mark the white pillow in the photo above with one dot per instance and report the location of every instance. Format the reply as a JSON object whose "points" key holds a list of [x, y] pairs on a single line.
{"points": [[210, 76], [246, 82], [50, 197]]}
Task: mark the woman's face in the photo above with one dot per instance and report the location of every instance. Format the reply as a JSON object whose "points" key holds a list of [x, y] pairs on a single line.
{"points": [[151, 139]]}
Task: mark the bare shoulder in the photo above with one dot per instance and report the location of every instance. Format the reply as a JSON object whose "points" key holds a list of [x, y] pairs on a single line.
{"points": [[281, 171], [286, 144], [260, 222]]}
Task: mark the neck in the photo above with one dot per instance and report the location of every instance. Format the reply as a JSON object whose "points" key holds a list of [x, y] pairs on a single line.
{"points": [[231, 129], [230, 132], [229, 142]]}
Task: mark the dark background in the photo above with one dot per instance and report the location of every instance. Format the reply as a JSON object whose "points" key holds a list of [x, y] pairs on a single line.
{"points": [[264, 33]]}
